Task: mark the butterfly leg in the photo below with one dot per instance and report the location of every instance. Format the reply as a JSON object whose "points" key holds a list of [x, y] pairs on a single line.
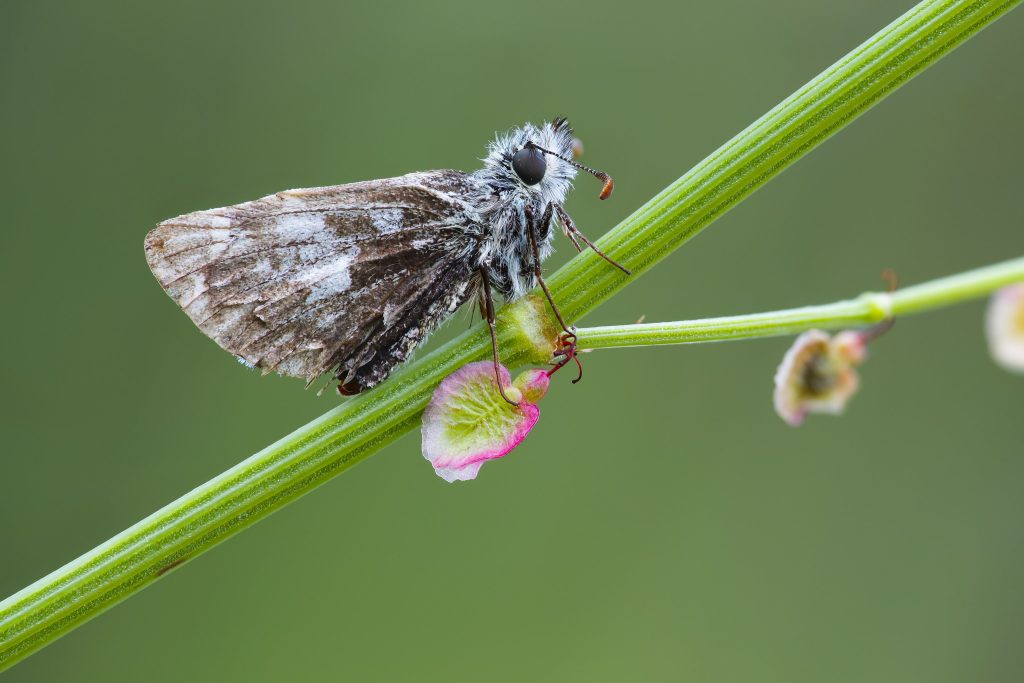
{"points": [[531, 235], [572, 232], [572, 238], [487, 303], [566, 340]]}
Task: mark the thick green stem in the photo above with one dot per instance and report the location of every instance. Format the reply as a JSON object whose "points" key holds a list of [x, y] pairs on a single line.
{"points": [[868, 308], [56, 604]]}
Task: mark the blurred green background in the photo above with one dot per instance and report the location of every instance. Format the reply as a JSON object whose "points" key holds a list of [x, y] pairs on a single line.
{"points": [[661, 523]]}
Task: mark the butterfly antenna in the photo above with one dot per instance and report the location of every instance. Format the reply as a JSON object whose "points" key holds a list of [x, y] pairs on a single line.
{"points": [[609, 184]]}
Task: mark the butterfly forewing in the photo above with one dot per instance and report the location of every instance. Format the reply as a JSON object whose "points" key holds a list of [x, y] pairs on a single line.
{"points": [[304, 281]]}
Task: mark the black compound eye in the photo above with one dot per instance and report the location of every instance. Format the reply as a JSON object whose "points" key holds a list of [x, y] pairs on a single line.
{"points": [[529, 164]]}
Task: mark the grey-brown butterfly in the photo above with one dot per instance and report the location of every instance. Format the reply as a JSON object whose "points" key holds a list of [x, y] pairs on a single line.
{"points": [[350, 279]]}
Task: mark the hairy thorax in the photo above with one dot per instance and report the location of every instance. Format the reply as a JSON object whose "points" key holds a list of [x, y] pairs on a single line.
{"points": [[505, 251], [503, 202]]}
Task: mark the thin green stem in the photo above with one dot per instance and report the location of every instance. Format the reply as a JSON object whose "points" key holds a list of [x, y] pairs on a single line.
{"points": [[56, 604], [957, 288], [867, 309]]}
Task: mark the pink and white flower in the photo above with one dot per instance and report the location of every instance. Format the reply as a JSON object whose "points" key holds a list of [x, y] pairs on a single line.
{"points": [[467, 422], [817, 374], [1004, 327]]}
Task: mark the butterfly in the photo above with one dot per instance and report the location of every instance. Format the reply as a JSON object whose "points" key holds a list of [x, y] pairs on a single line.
{"points": [[350, 279]]}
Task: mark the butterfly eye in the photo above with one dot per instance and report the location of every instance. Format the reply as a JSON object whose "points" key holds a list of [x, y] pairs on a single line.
{"points": [[529, 164]]}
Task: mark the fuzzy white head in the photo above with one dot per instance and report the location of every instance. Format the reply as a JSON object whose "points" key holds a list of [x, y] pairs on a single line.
{"points": [[526, 171], [516, 165]]}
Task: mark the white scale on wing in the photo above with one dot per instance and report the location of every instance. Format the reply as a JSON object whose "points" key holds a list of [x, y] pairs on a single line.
{"points": [[330, 278], [388, 221]]}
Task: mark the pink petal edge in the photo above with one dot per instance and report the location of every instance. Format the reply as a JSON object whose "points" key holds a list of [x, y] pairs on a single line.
{"points": [[464, 468], [467, 468]]}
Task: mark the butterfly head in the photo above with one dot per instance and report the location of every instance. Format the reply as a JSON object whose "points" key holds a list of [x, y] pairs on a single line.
{"points": [[538, 161]]}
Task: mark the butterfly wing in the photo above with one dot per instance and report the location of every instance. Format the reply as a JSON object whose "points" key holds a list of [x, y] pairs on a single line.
{"points": [[349, 277]]}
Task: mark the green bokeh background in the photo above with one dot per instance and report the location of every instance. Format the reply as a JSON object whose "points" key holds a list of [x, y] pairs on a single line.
{"points": [[661, 523]]}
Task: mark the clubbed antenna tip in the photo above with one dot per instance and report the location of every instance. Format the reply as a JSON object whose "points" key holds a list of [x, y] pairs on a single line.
{"points": [[609, 184]]}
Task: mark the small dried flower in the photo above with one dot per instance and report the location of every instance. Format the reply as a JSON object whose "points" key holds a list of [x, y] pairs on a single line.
{"points": [[1004, 327], [467, 422], [817, 374]]}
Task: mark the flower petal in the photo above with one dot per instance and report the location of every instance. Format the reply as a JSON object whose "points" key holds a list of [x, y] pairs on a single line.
{"points": [[467, 422], [788, 399], [533, 384], [850, 346], [1004, 327], [817, 375]]}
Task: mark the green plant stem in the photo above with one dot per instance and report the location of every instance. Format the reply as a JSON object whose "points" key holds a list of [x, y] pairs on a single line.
{"points": [[265, 482], [867, 309]]}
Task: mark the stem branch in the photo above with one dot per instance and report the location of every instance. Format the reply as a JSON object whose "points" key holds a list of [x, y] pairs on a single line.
{"points": [[867, 309]]}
